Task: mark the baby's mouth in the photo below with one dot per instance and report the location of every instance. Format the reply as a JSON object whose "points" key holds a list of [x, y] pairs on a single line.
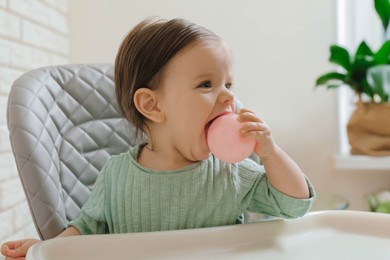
{"points": [[207, 127], [209, 124]]}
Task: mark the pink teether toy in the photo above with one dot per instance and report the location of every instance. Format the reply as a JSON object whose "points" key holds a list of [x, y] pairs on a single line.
{"points": [[225, 141]]}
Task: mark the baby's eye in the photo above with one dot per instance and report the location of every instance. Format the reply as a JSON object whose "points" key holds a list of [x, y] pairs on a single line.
{"points": [[206, 84], [228, 85]]}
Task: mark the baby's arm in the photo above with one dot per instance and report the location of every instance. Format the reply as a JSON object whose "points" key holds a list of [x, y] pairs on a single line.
{"points": [[282, 172], [18, 249], [70, 231]]}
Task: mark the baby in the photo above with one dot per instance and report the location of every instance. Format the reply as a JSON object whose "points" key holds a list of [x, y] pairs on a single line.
{"points": [[173, 78]]}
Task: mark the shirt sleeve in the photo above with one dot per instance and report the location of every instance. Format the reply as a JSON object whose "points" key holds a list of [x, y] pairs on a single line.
{"points": [[92, 218], [256, 194]]}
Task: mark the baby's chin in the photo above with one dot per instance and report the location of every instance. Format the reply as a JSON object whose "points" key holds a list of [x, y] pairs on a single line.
{"points": [[199, 151], [205, 157], [203, 154]]}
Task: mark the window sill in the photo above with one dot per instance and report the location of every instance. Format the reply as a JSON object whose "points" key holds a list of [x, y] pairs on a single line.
{"points": [[361, 162]]}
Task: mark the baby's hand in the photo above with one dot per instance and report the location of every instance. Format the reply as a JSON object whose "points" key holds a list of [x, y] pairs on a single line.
{"points": [[17, 249], [256, 128]]}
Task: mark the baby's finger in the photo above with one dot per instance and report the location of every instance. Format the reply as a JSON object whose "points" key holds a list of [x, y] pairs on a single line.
{"points": [[15, 249], [4, 248], [254, 126], [257, 135], [244, 110], [249, 117], [9, 246]]}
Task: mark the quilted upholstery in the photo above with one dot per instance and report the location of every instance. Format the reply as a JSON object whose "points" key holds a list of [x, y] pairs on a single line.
{"points": [[64, 123]]}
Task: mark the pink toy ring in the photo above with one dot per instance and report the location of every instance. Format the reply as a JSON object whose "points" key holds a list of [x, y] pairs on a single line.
{"points": [[225, 141]]}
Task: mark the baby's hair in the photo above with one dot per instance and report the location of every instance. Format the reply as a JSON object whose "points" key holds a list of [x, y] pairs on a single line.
{"points": [[141, 58]]}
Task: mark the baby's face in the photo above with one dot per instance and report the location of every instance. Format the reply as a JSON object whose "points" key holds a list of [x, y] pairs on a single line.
{"points": [[195, 89]]}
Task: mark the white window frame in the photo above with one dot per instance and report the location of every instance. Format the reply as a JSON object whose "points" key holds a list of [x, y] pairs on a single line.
{"points": [[356, 21]]}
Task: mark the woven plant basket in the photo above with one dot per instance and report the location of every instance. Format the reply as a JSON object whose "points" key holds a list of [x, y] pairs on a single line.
{"points": [[369, 129]]}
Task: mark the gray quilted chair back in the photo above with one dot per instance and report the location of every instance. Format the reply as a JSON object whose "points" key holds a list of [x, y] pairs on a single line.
{"points": [[64, 124]]}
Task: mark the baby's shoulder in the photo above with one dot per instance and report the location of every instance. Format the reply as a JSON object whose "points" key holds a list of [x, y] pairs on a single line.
{"points": [[119, 157], [117, 160]]}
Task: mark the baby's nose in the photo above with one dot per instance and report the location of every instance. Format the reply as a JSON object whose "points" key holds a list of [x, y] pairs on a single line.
{"points": [[226, 97]]}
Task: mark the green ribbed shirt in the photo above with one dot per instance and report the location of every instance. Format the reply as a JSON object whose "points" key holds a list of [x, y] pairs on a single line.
{"points": [[130, 198]]}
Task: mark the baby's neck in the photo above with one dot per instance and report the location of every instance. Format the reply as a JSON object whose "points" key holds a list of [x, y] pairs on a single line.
{"points": [[160, 160]]}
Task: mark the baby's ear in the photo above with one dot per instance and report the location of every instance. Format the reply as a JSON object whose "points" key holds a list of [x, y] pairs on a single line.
{"points": [[145, 101]]}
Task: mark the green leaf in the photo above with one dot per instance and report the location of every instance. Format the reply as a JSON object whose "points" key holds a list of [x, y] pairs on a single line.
{"points": [[384, 207], [382, 8], [330, 78], [340, 56], [382, 55], [364, 50], [378, 80], [333, 86]]}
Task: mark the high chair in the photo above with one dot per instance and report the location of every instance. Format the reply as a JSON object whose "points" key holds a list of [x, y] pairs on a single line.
{"points": [[64, 124]]}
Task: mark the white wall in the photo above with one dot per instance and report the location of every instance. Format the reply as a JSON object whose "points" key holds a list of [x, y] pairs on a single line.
{"points": [[32, 34], [280, 47]]}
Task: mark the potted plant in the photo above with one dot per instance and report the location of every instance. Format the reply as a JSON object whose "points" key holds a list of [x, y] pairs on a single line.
{"points": [[367, 73], [380, 201]]}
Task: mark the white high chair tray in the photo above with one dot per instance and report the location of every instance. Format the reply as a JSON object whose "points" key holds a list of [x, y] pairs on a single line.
{"points": [[318, 235]]}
